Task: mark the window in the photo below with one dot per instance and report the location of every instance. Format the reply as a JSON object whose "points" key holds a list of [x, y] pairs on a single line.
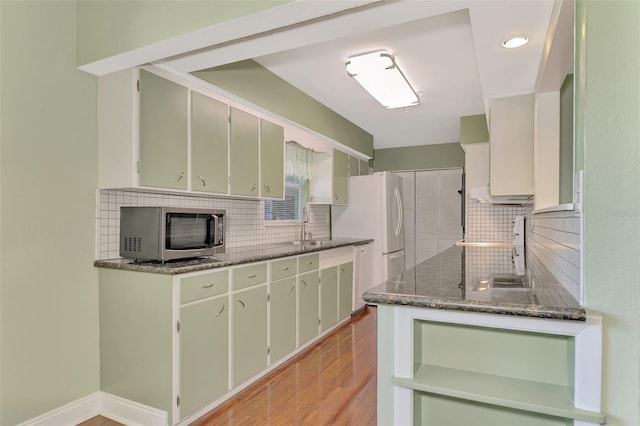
{"points": [[296, 187]]}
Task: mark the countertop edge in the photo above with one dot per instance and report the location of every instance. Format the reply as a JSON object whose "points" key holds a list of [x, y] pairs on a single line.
{"points": [[276, 251], [533, 311]]}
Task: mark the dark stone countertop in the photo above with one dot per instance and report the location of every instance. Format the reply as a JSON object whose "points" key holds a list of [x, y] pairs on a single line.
{"points": [[232, 256], [452, 281]]}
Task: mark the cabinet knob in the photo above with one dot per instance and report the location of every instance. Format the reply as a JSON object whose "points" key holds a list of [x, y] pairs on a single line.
{"points": [[242, 303], [266, 188], [303, 282], [335, 197], [251, 276], [179, 178], [208, 286], [293, 288], [285, 269], [204, 182], [255, 186]]}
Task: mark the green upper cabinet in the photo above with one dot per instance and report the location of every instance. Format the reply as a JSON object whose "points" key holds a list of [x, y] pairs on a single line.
{"points": [[340, 177], [163, 132], [354, 166], [204, 353], [271, 160], [364, 167], [209, 144], [244, 153]]}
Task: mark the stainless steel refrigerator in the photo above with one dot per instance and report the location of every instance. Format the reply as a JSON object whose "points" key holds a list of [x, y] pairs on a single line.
{"points": [[374, 211]]}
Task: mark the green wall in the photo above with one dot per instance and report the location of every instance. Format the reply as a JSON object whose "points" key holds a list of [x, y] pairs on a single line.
{"points": [[48, 162], [473, 129], [253, 82], [107, 27], [418, 157], [607, 136]]}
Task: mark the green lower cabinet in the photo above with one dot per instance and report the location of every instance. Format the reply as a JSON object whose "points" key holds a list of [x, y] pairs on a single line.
{"points": [[204, 353], [283, 317], [249, 339], [328, 297], [345, 290], [308, 315]]}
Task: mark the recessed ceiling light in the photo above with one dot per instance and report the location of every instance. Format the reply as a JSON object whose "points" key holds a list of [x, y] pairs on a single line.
{"points": [[515, 41]]}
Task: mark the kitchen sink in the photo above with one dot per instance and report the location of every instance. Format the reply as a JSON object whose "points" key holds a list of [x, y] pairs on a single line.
{"points": [[507, 282], [305, 243]]}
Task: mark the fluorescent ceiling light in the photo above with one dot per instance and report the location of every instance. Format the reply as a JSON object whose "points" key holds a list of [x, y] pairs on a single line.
{"points": [[515, 41], [379, 74]]}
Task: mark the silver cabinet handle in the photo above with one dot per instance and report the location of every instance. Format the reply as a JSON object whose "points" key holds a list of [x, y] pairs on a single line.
{"points": [[266, 188], [179, 178], [221, 311], [285, 269], [304, 283], [204, 182], [293, 287], [208, 286], [242, 303], [255, 186], [310, 262], [252, 276]]}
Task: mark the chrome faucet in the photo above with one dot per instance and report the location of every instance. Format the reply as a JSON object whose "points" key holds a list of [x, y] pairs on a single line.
{"points": [[305, 220]]}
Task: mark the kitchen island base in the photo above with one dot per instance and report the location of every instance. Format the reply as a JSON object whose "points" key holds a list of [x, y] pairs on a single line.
{"points": [[456, 367]]}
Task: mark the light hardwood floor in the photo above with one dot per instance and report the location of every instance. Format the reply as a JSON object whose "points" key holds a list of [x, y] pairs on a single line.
{"points": [[331, 383]]}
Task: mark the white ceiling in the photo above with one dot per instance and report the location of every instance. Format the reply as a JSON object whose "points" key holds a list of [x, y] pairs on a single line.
{"points": [[449, 50]]}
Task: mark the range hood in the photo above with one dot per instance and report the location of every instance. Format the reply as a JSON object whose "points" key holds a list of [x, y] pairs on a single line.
{"points": [[482, 195]]}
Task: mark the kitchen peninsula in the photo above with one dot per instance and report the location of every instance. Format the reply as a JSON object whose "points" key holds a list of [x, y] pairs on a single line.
{"points": [[471, 343]]}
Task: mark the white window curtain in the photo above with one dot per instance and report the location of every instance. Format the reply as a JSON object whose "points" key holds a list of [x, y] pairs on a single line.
{"points": [[297, 175]]}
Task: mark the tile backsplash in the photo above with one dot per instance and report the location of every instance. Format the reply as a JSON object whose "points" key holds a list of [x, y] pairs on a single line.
{"points": [[245, 224], [555, 239]]}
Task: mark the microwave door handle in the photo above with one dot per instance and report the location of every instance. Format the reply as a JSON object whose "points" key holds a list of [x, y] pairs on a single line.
{"points": [[216, 230]]}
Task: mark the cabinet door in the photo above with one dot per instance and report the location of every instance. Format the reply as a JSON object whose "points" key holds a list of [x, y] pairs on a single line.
{"points": [[354, 165], [511, 147], [364, 168], [163, 132], [328, 297], [249, 349], [204, 353], [271, 160], [340, 177], [308, 315], [345, 290], [245, 153], [209, 144], [283, 317]]}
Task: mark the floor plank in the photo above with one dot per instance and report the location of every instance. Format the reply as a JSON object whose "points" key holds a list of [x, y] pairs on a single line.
{"points": [[331, 383]]}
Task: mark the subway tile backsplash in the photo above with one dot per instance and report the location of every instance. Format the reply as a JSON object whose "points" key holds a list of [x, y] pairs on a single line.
{"points": [[245, 224], [492, 222], [555, 239]]}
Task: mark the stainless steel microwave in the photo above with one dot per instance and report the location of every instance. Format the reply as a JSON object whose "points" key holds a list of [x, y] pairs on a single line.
{"points": [[169, 233]]}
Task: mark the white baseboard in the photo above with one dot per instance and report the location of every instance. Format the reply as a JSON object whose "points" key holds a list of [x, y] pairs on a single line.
{"points": [[70, 414], [104, 404], [131, 413]]}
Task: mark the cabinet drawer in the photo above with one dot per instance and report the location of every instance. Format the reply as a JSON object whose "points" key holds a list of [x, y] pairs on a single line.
{"points": [[284, 268], [307, 263], [205, 285], [246, 276]]}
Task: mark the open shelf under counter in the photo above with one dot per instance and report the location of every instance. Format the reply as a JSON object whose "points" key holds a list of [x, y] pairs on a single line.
{"points": [[526, 395], [438, 366]]}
